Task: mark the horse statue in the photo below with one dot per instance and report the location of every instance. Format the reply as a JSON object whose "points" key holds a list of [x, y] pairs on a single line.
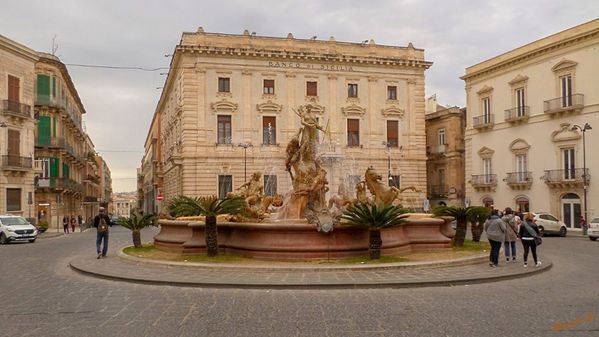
{"points": [[381, 192]]}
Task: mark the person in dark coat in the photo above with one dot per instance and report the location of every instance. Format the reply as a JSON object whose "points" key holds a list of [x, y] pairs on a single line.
{"points": [[528, 232], [65, 224], [102, 236]]}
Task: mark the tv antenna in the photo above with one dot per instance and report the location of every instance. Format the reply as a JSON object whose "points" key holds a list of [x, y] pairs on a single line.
{"points": [[54, 45]]}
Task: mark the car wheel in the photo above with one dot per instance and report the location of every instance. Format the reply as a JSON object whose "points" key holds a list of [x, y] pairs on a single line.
{"points": [[32, 240], [593, 238], [563, 231], [3, 239], [541, 231]]}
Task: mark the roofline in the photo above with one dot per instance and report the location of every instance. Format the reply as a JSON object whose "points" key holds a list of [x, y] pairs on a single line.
{"points": [[17, 48], [49, 58]]}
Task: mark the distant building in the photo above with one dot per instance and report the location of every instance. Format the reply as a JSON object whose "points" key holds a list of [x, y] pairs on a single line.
{"points": [[522, 147], [227, 91], [445, 156]]}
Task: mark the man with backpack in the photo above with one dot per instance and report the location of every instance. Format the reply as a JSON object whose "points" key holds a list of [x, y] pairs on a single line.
{"points": [[102, 222]]}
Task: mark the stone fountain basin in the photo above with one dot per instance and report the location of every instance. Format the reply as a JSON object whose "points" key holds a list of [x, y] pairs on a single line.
{"points": [[298, 240]]}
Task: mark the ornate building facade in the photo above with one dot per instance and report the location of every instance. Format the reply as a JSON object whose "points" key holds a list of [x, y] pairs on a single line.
{"points": [[227, 110], [525, 112]]}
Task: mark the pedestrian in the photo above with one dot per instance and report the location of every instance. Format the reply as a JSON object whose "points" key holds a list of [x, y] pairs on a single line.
{"points": [[102, 222], [80, 222], [495, 229], [73, 224], [511, 234], [65, 224], [529, 235]]}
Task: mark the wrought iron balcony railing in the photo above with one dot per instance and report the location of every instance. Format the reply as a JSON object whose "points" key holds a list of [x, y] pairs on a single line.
{"points": [[484, 121], [565, 103], [574, 176], [16, 162], [484, 180], [59, 183], [520, 113], [16, 108], [49, 100]]}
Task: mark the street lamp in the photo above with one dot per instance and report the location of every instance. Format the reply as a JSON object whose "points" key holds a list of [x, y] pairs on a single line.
{"points": [[584, 172], [245, 147], [387, 145]]}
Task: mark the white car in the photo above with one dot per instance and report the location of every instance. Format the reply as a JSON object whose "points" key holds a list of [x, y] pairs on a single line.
{"points": [[15, 228], [548, 224], [594, 229]]}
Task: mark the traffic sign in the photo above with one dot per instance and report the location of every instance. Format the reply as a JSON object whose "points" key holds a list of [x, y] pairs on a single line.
{"points": [[159, 197]]}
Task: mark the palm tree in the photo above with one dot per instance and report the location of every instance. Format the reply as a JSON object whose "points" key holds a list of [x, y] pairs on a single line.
{"points": [[374, 218], [136, 224], [477, 220], [462, 216], [209, 207]]}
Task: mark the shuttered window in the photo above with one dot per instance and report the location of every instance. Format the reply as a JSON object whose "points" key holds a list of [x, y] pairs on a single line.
{"points": [[311, 89], [65, 170], [269, 130], [392, 127], [13, 89], [53, 86], [13, 151], [53, 167], [13, 199], [353, 132], [44, 130], [43, 88], [269, 87]]}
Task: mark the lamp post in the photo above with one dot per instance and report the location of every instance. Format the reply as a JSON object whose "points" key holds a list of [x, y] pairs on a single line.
{"points": [[387, 144], [245, 147], [584, 172]]}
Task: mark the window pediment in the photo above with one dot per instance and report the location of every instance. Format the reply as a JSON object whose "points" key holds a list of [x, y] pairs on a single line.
{"points": [[392, 111], [485, 152], [519, 146], [565, 133], [564, 65], [485, 90], [224, 105], [353, 110], [518, 79], [269, 107]]}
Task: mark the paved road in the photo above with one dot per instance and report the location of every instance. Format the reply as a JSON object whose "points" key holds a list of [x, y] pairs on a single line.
{"points": [[41, 296]]}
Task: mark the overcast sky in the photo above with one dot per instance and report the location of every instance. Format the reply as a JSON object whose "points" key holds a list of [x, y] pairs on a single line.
{"points": [[120, 103]]}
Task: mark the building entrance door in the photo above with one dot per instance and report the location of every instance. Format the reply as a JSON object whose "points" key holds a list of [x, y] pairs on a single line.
{"points": [[571, 210]]}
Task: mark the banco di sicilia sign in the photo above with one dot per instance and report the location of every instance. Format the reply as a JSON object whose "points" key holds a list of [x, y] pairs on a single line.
{"points": [[310, 66]]}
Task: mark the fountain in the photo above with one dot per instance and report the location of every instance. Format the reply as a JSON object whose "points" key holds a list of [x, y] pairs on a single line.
{"points": [[305, 226]]}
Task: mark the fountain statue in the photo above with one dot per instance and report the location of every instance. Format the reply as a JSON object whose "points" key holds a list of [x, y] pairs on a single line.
{"points": [[257, 202], [307, 175], [381, 192]]}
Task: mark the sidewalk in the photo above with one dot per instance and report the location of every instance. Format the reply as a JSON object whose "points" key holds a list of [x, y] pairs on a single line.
{"points": [[395, 275]]}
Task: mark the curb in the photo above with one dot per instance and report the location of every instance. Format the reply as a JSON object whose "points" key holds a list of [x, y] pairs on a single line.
{"points": [[304, 268]]}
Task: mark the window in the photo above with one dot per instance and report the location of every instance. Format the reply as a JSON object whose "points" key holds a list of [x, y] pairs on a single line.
{"points": [[224, 129], [566, 90], [521, 167], [14, 90], [569, 164], [353, 132], [13, 199], [441, 140], [269, 87], [392, 92], [486, 110], [270, 185], [311, 89], [223, 84], [269, 130], [352, 90], [394, 181], [392, 127], [520, 104], [487, 170], [225, 185]]}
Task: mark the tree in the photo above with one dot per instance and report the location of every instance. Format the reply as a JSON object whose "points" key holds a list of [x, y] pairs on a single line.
{"points": [[209, 207], [136, 223], [462, 216], [477, 220], [374, 218]]}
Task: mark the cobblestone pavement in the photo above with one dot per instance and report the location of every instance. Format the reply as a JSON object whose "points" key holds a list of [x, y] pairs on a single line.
{"points": [[42, 296]]}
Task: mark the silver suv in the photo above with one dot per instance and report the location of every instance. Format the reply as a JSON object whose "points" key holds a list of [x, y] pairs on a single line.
{"points": [[15, 228]]}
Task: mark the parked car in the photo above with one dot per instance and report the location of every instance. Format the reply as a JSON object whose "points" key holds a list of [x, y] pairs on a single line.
{"points": [[16, 228], [548, 224], [594, 229]]}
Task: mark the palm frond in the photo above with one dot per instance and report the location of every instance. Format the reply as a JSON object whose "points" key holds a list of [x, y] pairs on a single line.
{"points": [[373, 216], [136, 222]]}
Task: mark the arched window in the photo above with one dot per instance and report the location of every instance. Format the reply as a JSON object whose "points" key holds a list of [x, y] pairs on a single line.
{"points": [[522, 204], [571, 210], [488, 202]]}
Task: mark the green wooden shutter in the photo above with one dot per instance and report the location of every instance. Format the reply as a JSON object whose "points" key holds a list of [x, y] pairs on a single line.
{"points": [[43, 89], [43, 130], [65, 170], [53, 167], [54, 127], [53, 86]]}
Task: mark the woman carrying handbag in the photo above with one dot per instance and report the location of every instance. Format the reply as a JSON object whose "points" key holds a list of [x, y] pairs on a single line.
{"points": [[529, 234]]}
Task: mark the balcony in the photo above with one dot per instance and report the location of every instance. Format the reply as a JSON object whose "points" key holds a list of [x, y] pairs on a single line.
{"points": [[59, 184], [519, 180], [572, 103], [437, 191], [517, 114], [49, 100], [16, 109], [484, 181], [90, 199], [16, 163], [51, 142], [566, 178], [483, 122]]}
